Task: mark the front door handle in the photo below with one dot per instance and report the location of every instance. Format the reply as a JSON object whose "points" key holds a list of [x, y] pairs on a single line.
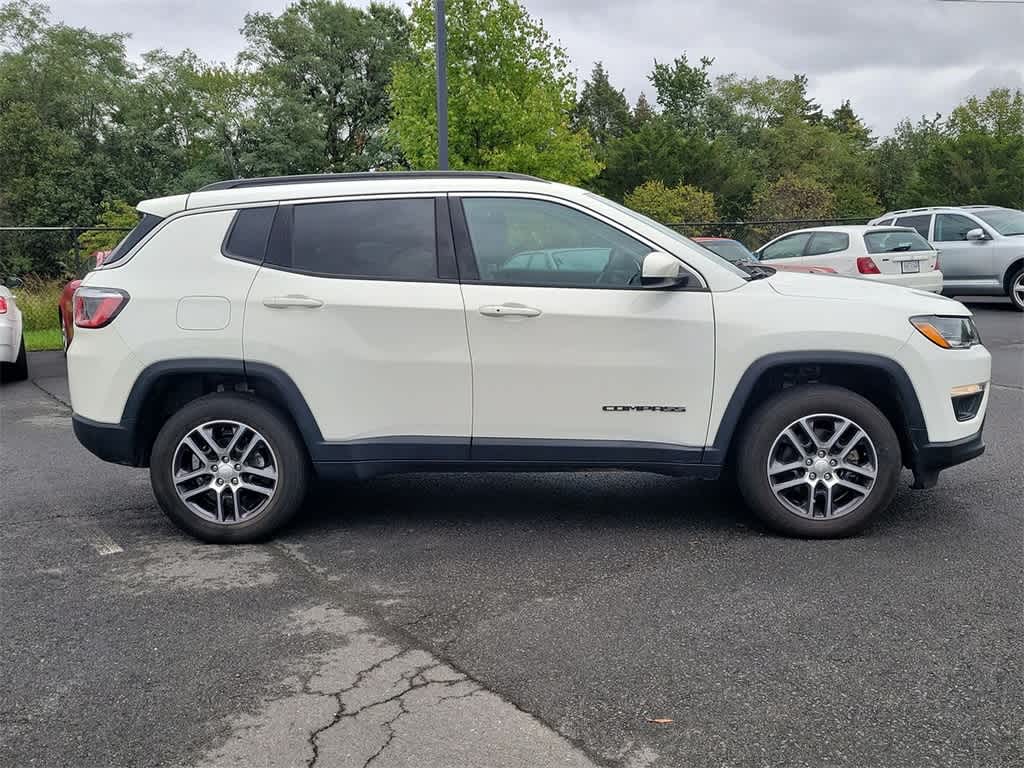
{"points": [[287, 302], [508, 310]]}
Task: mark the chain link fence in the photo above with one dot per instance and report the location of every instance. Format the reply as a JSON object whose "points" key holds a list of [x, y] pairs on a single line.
{"points": [[57, 255]]}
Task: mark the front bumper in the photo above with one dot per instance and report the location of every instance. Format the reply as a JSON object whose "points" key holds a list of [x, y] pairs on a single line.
{"points": [[931, 458], [111, 442]]}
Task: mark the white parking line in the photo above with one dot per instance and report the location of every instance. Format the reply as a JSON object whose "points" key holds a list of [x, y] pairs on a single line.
{"points": [[100, 541]]}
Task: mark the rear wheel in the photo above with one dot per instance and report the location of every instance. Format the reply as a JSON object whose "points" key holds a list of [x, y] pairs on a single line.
{"points": [[229, 468], [818, 461], [1017, 290], [18, 370], [63, 331]]}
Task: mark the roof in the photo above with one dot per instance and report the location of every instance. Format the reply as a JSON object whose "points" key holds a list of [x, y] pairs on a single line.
{"points": [[280, 188], [941, 208], [854, 229]]}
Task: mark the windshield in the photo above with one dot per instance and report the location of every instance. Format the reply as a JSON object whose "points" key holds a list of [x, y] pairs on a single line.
{"points": [[670, 233], [895, 241], [729, 250], [1003, 221]]}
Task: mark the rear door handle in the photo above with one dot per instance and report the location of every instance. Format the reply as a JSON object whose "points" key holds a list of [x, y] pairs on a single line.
{"points": [[287, 302], [508, 310]]}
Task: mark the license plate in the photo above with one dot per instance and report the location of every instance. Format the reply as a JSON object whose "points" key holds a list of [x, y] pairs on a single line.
{"points": [[911, 266]]}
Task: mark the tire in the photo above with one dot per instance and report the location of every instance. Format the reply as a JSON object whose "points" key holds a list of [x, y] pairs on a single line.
{"points": [[63, 332], [281, 453], [1016, 291], [794, 510], [18, 370]]}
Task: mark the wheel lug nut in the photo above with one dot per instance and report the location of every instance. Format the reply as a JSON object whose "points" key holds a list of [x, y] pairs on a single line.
{"points": [[213, 467], [813, 476], [220, 481], [821, 454], [833, 463], [238, 467], [234, 481], [809, 462], [828, 475], [225, 459]]}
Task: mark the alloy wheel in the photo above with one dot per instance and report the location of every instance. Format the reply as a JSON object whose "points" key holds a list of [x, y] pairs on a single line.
{"points": [[822, 466], [1017, 290], [225, 472]]}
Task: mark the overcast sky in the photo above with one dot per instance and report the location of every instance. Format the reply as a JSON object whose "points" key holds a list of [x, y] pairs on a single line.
{"points": [[891, 58]]}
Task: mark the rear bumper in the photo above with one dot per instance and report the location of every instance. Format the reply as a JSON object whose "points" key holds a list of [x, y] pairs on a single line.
{"points": [[9, 342], [931, 458], [111, 442], [923, 281]]}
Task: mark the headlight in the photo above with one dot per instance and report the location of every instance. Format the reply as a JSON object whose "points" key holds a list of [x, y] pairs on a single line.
{"points": [[947, 332]]}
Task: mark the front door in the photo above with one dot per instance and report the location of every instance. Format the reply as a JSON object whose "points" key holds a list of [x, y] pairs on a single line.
{"points": [[572, 359], [962, 261], [353, 303]]}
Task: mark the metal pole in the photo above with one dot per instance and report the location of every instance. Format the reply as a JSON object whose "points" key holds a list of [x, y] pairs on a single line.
{"points": [[442, 86]]}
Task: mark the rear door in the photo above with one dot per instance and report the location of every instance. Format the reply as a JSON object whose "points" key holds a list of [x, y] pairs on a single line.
{"points": [[572, 360], [358, 302], [962, 259], [828, 249], [899, 251]]}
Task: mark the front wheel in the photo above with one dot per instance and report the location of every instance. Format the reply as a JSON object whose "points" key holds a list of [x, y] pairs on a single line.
{"points": [[1017, 290], [818, 462], [229, 468]]}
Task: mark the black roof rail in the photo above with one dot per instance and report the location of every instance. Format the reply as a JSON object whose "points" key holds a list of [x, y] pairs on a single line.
{"points": [[315, 178]]}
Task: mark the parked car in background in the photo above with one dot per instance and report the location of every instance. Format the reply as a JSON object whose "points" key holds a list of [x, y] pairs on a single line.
{"points": [[738, 253], [897, 255], [981, 247], [66, 309], [13, 360]]}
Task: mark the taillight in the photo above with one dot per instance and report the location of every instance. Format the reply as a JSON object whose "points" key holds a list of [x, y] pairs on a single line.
{"points": [[3, 305], [97, 307], [866, 266]]}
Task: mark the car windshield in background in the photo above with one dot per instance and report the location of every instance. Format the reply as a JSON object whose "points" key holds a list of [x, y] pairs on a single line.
{"points": [[143, 228], [895, 242], [668, 231], [729, 250], [1005, 222]]}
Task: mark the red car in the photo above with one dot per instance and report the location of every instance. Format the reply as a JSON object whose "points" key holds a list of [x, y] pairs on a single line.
{"points": [[66, 309], [737, 252]]}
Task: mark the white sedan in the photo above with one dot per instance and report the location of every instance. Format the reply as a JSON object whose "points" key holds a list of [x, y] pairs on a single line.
{"points": [[897, 255], [13, 363]]}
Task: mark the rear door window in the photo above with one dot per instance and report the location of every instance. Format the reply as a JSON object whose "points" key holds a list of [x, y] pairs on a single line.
{"points": [[828, 242], [951, 227], [370, 239], [920, 223]]}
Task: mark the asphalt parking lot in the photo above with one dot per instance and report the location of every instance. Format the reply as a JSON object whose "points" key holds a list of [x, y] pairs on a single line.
{"points": [[509, 620]]}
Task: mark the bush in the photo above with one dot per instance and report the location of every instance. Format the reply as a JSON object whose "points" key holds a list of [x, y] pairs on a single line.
{"points": [[791, 198], [672, 205]]}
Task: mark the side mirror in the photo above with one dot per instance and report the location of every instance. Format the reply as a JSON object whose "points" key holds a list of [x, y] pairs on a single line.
{"points": [[662, 270], [976, 234], [14, 282]]}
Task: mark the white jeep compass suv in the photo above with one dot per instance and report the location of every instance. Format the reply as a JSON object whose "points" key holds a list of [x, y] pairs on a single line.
{"points": [[256, 331]]}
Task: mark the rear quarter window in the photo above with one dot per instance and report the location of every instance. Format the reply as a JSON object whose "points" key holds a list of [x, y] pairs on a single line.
{"points": [[247, 238], [133, 238]]}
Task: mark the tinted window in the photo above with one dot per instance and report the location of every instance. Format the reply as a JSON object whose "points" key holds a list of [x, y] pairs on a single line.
{"points": [[249, 232], [1007, 222], [895, 242], [786, 248], [920, 223], [532, 242], [366, 238], [952, 226], [828, 242], [885, 222], [143, 228]]}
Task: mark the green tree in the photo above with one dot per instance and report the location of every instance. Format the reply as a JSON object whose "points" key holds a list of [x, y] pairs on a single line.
{"points": [[791, 198], [682, 90], [118, 215], [602, 110], [329, 65], [510, 94], [672, 205], [642, 111]]}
